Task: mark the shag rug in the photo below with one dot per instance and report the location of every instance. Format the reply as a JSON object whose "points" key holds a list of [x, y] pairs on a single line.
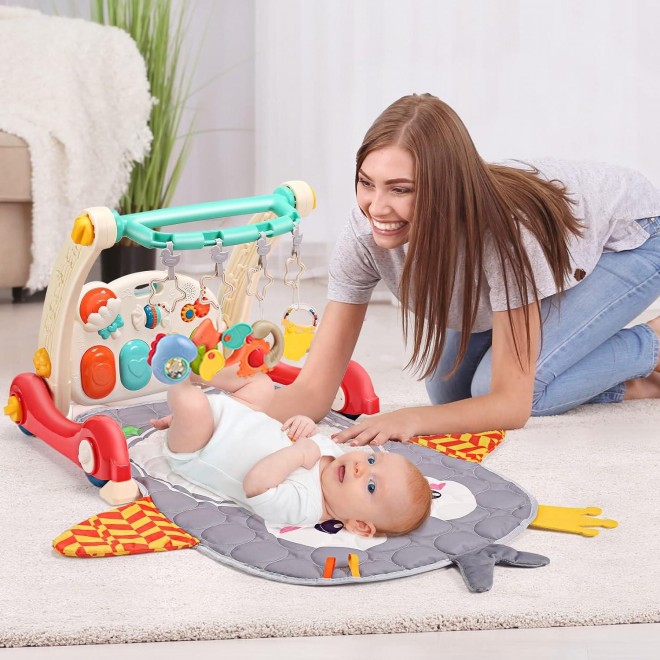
{"points": [[607, 456]]}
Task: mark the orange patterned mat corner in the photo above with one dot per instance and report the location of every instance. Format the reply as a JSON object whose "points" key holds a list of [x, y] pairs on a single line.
{"points": [[472, 447], [131, 529]]}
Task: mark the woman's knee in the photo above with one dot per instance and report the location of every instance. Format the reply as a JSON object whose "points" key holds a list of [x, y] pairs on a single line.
{"points": [[443, 390], [543, 404], [481, 381]]}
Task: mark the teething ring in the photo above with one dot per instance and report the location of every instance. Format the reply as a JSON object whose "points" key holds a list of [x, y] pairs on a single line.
{"points": [[302, 308], [261, 330]]}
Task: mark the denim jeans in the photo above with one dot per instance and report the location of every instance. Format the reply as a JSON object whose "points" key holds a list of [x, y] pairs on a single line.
{"points": [[585, 355]]}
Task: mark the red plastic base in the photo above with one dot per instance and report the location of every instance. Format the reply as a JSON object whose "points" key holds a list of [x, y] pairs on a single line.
{"points": [[40, 417]]}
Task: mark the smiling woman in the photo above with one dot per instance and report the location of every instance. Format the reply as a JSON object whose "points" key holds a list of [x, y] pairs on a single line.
{"points": [[388, 203], [487, 260]]}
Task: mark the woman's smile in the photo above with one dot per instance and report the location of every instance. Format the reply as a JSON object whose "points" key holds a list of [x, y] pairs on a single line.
{"points": [[387, 228]]}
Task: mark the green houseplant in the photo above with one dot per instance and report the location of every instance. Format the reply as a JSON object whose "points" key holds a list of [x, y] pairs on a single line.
{"points": [[158, 30]]}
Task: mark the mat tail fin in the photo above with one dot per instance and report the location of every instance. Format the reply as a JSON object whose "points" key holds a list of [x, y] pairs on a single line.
{"points": [[477, 567]]}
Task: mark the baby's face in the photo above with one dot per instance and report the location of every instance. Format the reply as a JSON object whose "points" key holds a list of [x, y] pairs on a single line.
{"points": [[364, 486]]}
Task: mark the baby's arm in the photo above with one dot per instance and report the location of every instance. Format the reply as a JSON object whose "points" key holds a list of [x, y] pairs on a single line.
{"points": [[272, 470], [299, 426]]}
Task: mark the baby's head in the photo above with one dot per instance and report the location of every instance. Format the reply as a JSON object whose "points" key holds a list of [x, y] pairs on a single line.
{"points": [[376, 493]]}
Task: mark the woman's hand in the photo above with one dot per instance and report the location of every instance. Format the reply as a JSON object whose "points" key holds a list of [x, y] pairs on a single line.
{"points": [[299, 426], [377, 430]]}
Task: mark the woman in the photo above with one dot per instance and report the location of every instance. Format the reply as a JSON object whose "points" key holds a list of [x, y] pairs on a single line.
{"points": [[516, 280]]}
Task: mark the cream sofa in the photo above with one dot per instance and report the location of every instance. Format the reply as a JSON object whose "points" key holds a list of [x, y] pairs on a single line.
{"points": [[15, 213]]}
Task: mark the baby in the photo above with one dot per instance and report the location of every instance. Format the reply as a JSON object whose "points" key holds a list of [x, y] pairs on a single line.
{"points": [[227, 445]]}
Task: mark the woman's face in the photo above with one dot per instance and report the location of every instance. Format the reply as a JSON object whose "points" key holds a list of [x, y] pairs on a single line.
{"points": [[386, 194]]}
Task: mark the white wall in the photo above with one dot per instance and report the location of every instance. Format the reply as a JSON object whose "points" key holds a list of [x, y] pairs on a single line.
{"points": [[576, 79]]}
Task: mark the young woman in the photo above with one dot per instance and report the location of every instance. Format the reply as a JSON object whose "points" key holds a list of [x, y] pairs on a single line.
{"points": [[516, 280]]}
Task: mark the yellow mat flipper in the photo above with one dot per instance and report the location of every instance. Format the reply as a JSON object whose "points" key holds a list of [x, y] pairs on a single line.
{"points": [[571, 520], [131, 529], [472, 447]]}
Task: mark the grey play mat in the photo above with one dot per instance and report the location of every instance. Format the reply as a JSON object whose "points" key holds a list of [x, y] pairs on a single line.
{"points": [[475, 513]]}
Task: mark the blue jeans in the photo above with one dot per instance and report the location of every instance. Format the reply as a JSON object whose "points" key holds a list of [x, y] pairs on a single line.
{"points": [[585, 355]]}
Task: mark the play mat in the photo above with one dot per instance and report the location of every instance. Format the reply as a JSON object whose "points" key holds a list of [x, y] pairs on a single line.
{"points": [[475, 512]]}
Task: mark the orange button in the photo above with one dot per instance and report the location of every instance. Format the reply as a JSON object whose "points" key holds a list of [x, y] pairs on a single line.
{"points": [[98, 374]]}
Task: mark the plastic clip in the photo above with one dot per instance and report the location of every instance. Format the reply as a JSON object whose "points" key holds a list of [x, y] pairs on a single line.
{"points": [[219, 255], [294, 260], [163, 297], [254, 273]]}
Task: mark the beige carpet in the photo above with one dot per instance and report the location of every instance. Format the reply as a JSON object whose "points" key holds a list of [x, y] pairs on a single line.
{"points": [[607, 456]]}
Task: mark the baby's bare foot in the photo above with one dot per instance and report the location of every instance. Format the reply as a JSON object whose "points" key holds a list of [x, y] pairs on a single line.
{"points": [[654, 324], [643, 388], [649, 387], [161, 422]]}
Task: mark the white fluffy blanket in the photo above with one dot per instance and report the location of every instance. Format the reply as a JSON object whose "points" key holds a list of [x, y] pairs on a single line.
{"points": [[77, 93]]}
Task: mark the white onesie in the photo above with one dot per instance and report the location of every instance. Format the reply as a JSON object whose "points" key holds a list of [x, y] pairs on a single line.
{"points": [[242, 437]]}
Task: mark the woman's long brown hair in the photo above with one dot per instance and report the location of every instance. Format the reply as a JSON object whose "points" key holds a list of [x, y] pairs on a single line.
{"points": [[459, 201]]}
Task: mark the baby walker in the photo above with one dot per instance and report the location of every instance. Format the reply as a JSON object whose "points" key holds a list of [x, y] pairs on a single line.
{"points": [[107, 342]]}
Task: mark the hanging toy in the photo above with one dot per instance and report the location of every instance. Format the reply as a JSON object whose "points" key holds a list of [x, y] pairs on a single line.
{"points": [[257, 354], [219, 255], [255, 287], [298, 338], [166, 292], [170, 358], [207, 363], [240, 342]]}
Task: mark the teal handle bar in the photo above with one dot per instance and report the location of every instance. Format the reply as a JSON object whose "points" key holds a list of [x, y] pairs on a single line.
{"points": [[139, 227]]}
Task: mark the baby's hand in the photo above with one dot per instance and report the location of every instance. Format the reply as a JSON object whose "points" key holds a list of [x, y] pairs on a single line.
{"points": [[299, 426], [161, 423], [310, 451]]}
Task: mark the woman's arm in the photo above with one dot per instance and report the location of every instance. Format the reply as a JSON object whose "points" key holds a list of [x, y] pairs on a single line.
{"points": [[315, 388], [272, 470], [507, 406]]}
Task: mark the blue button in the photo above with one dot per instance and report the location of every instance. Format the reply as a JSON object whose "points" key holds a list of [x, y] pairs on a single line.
{"points": [[134, 371]]}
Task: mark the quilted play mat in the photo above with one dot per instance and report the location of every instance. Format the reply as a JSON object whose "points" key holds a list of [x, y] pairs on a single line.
{"points": [[475, 514]]}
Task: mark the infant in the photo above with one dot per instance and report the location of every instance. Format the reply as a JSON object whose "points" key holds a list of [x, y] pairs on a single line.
{"points": [[227, 445]]}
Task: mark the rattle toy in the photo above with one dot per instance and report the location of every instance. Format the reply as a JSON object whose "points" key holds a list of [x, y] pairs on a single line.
{"points": [[170, 357]]}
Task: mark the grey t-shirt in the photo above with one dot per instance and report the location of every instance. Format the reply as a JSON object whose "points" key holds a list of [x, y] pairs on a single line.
{"points": [[608, 201]]}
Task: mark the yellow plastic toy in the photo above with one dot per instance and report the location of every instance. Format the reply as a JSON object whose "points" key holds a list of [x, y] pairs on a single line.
{"points": [[571, 520], [298, 338]]}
